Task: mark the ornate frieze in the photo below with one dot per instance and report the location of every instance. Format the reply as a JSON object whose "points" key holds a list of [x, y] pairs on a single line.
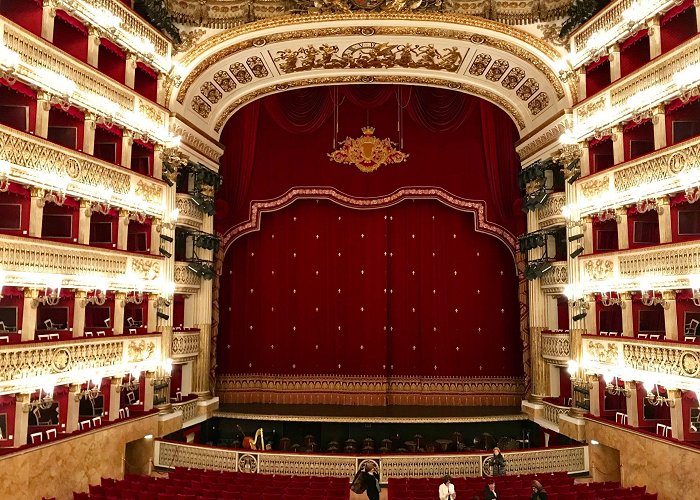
{"points": [[64, 362], [549, 213], [185, 345], [674, 365], [556, 348], [185, 280], [170, 455], [377, 390], [26, 260], [669, 265], [190, 214], [555, 279]]}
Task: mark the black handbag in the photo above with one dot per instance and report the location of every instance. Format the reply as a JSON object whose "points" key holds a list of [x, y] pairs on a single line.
{"points": [[358, 483]]}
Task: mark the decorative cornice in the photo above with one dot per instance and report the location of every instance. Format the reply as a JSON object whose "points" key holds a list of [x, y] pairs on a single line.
{"points": [[360, 419], [330, 80], [478, 208]]}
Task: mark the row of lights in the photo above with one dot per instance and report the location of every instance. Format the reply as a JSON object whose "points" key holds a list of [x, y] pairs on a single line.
{"points": [[651, 294], [613, 387]]}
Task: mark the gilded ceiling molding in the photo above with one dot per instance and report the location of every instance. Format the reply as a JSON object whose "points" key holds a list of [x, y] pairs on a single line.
{"points": [[477, 207], [225, 40], [332, 80], [287, 21]]}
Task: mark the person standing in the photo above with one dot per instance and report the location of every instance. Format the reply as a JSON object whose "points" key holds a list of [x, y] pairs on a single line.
{"points": [[498, 462], [371, 479], [446, 491], [490, 491], [538, 492]]}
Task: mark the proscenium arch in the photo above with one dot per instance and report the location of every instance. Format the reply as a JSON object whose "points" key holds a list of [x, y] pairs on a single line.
{"points": [[499, 63]]}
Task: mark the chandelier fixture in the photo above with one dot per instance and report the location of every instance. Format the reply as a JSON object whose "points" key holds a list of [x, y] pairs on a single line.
{"points": [[607, 299], [5, 170], [44, 401], [613, 388], [367, 152], [654, 398]]}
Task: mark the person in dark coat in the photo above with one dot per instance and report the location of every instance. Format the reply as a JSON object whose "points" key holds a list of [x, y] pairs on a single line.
{"points": [[498, 462], [371, 479], [538, 492], [490, 491]]}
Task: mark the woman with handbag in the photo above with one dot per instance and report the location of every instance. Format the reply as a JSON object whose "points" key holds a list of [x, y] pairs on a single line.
{"points": [[367, 480]]}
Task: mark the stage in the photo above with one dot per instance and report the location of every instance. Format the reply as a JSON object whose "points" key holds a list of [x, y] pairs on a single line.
{"points": [[370, 414]]}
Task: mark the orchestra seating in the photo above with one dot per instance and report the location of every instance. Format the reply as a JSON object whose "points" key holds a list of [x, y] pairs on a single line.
{"points": [[197, 484], [559, 486]]}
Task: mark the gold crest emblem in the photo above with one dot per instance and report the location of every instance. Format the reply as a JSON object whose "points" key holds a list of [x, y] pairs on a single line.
{"points": [[367, 152]]}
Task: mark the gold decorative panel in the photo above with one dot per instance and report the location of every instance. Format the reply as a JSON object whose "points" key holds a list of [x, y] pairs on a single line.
{"points": [[556, 347], [210, 92], [540, 102], [257, 66], [513, 78], [527, 89], [185, 345], [224, 80], [479, 64], [497, 70], [200, 107], [68, 361]]}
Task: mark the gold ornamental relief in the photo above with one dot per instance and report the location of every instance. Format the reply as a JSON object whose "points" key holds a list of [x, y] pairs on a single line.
{"points": [[367, 153], [369, 55], [140, 350], [150, 192], [599, 269], [595, 187]]}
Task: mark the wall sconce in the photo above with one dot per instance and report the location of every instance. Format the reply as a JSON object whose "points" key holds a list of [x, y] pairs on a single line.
{"points": [[134, 297], [688, 82], [9, 61], [609, 214], [132, 384], [572, 368], [651, 297], [654, 398], [612, 387], [5, 170], [170, 222], [44, 401], [694, 280], [90, 393], [56, 192], [607, 299], [98, 297], [52, 294], [576, 301], [101, 205]]}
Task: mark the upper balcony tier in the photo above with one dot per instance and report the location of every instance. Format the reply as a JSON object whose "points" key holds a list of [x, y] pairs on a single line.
{"points": [[664, 79], [68, 80], [613, 24], [123, 26]]}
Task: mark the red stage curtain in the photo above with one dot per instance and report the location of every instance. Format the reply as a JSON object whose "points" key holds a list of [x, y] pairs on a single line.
{"points": [[411, 289]]}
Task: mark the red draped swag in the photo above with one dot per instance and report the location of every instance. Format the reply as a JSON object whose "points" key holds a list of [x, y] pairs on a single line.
{"points": [[411, 289]]}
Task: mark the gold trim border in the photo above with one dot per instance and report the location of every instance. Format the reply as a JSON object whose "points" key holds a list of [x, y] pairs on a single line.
{"points": [[450, 34], [360, 79], [374, 420]]}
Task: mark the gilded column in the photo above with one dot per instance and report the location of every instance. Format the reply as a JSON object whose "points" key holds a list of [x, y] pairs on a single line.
{"points": [[585, 159], [202, 320], [79, 313], [43, 106], [537, 312], [658, 120], [670, 314], [614, 58], [594, 394], [148, 381], [627, 316], [73, 411], [89, 133], [127, 142], [130, 70], [156, 228], [158, 161], [123, 230], [48, 18], [623, 233], [581, 83], [663, 211], [29, 314], [84, 217], [587, 236], [633, 403], [675, 402], [618, 145], [160, 89], [21, 419], [93, 47], [114, 398], [119, 303], [36, 211], [654, 33], [591, 320]]}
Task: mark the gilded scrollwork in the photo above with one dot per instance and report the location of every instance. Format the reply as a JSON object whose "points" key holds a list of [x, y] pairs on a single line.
{"points": [[602, 352], [149, 191], [595, 187], [140, 350], [599, 269], [368, 55]]}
